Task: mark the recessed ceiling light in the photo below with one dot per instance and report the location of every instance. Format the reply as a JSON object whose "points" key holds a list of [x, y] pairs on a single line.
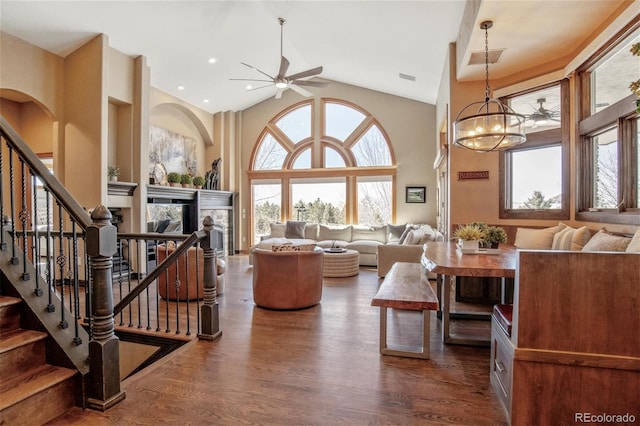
{"points": [[212, 60], [181, 87], [249, 87], [206, 101]]}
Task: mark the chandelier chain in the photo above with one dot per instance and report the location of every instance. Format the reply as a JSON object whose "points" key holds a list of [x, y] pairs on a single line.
{"points": [[487, 89]]}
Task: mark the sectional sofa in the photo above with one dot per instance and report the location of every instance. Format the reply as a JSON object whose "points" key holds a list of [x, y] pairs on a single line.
{"points": [[406, 240]]}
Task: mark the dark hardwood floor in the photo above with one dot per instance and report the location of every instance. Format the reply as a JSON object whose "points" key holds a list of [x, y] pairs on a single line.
{"points": [[318, 366]]}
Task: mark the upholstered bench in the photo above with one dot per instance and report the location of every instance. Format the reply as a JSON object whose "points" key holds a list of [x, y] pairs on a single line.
{"points": [[503, 316]]}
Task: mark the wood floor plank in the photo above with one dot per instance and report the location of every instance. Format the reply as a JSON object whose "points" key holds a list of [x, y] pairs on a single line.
{"points": [[317, 366]]}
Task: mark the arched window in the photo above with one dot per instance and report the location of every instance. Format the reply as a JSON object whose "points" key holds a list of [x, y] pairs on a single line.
{"points": [[336, 167]]}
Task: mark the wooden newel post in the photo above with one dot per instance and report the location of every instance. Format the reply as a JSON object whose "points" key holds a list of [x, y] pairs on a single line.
{"points": [[103, 389], [209, 309]]}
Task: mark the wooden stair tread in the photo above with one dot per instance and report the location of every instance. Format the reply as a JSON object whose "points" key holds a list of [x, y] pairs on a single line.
{"points": [[32, 382], [8, 301], [19, 337]]}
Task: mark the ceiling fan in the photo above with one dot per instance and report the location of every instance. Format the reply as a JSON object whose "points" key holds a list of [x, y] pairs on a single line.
{"points": [[283, 81], [541, 115]]}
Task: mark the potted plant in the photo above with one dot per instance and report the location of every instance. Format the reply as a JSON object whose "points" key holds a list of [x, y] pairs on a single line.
{"points": [[173, 178], [469, 236], [494, 235], [198, 182], [113, 172], [185, 180]]}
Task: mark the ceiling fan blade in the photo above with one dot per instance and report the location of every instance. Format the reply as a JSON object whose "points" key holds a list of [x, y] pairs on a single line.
{"points": [[254, 68], [310, 83], [303, 74], [300, 90], [279, 93], [261, 87], [284, 66], [250, 79]]}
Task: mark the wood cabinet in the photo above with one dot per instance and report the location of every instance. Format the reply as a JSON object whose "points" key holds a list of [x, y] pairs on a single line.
{"points": [[575, 344]]}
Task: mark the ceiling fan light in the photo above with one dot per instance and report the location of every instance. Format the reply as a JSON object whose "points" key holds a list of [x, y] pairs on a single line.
{"points": [[281, 84]]}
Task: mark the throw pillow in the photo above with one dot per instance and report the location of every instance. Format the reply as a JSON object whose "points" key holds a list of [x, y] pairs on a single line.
{"points": [[282, 247], [369, 233], [311, 231], [409, 227], [537, 239], [604, 241], [294, 229], [277, 230], [304, 247], [394, 232], [571, 239], [634, 245], [175, 226], [413, 237]]}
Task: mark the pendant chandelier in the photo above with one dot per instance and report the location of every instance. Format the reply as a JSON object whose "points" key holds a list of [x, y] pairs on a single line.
{"points": [[494, 126]]}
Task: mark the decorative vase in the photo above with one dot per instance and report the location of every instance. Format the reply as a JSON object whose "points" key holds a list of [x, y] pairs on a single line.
{"points": [[198, 186], [113, 178], [469, 244], [186, 185], [174, 184]]}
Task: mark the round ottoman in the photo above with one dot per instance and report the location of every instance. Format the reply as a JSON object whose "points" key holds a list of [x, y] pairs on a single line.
{"points": [[341, 264]]}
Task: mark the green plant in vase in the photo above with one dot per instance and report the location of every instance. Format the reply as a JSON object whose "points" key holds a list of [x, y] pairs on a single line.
{"points": [[113, 172], [173, 178], [494, 235], [186, 180], [469, 236], [198, 182]]}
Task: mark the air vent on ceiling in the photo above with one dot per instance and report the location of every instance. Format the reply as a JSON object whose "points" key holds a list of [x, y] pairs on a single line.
{"points": [[407, 77], [477, 58]]}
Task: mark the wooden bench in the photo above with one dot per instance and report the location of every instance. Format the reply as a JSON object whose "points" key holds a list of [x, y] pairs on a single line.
{"points": [[407, 287]]}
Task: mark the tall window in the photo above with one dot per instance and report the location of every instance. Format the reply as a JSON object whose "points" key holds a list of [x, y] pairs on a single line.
{"points": [[335, 168], [608, 180], [535, 175]]}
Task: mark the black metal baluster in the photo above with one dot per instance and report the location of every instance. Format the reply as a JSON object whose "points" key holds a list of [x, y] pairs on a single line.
{"points": [[24, 217], [76, 285], [177, 286], [128, 266], [197, 246], [139, 279], [88, 288], [155, 247], [119, 263], [3, 243], [61, 261], [49, 269], [12, 203], [36, 239]]}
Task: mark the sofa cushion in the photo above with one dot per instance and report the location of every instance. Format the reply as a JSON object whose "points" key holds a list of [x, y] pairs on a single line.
{"points": [[364, 246], [419, 236], [537, 239], [342, 233], [369, 233], [277, 230], [294, 229], [634, 245], [174, 227], [311, 231], [571, 238], [604, 241]]}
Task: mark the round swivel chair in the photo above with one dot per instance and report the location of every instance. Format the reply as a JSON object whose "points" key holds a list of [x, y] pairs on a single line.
{"points": [[287, 280]]}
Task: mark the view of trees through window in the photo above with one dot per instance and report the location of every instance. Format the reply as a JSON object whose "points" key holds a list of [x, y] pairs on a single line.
{"points": [[350, 138]]}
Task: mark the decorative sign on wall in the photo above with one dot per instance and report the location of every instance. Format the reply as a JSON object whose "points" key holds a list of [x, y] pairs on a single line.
{"points": [[177, 153], [481, 174]]}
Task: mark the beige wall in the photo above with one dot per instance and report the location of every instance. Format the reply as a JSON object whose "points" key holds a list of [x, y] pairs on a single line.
{"points": [[410, 125]]}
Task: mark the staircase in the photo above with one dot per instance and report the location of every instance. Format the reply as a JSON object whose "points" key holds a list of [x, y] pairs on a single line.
{"points": [[31, 391]]}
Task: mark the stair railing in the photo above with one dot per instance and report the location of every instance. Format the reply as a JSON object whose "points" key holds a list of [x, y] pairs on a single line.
{"points": [[53, 266]]}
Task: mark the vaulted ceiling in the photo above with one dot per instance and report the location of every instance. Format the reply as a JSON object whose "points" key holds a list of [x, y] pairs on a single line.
{"points": [[363, 43]]}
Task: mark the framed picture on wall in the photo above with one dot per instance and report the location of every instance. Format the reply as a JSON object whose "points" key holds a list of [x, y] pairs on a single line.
{"points": [[416, 194]]}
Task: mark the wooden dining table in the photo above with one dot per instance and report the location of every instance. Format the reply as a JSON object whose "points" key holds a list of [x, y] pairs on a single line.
{"points": [[447, 260]]}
